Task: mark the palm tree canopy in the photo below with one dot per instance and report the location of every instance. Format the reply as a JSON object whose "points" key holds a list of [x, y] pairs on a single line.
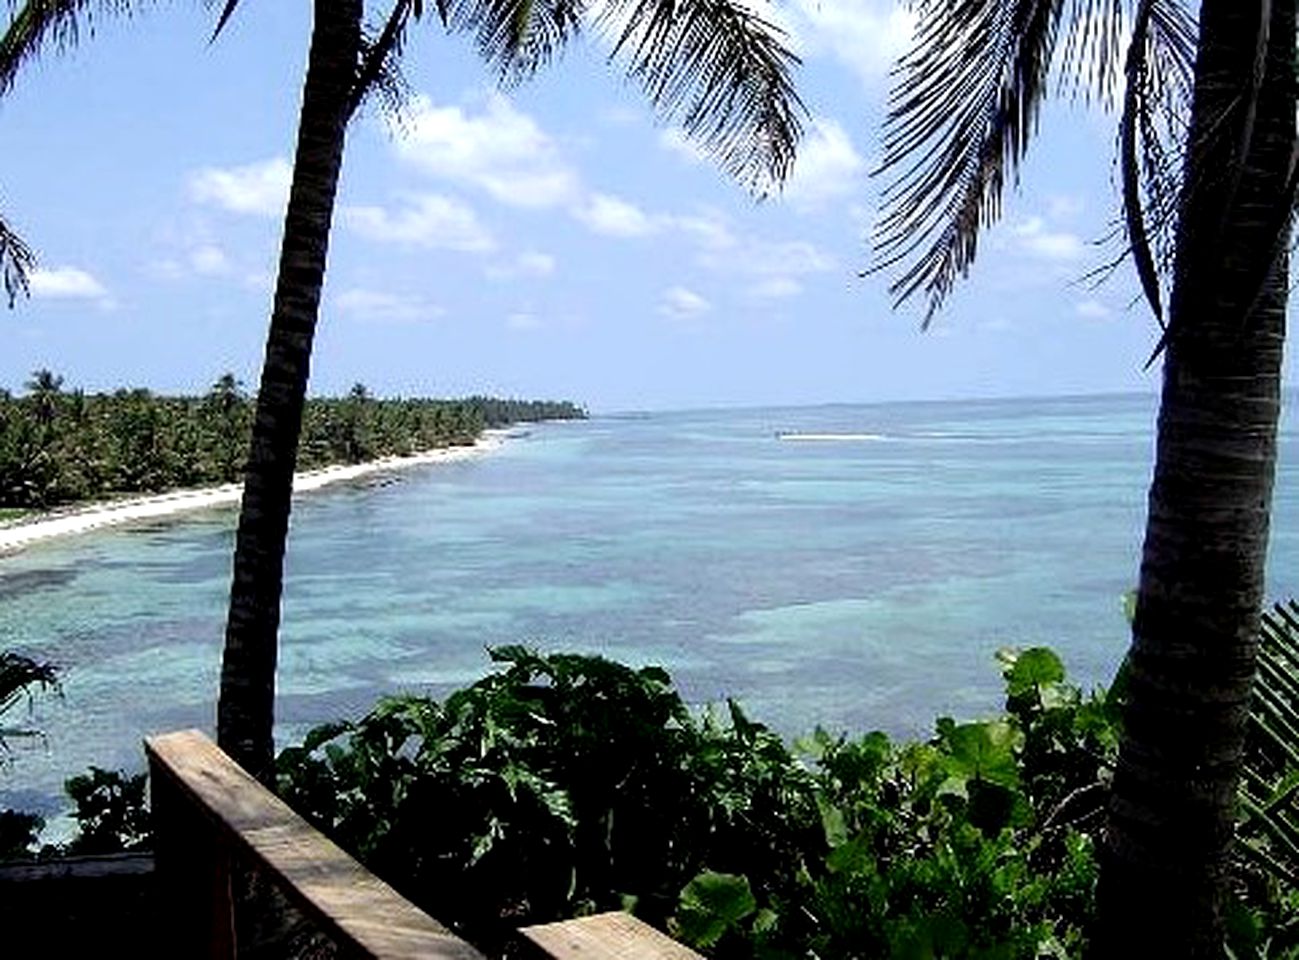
{"points": [[716, 67], [965, 106]]}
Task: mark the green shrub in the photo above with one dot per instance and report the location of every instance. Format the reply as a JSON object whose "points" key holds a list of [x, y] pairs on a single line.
{"points": [[566, 784], [111, 812], [18, 833], [559, 786]]}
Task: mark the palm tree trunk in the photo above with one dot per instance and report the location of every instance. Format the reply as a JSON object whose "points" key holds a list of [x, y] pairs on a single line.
{"points": [[1166, 851], [245, 710]]}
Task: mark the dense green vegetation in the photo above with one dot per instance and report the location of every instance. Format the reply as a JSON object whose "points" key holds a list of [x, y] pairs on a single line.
{"points": [[567, 784], [58, 446]]}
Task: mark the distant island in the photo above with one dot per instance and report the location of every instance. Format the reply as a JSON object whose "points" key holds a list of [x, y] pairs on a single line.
{"points": [[63, 447]]}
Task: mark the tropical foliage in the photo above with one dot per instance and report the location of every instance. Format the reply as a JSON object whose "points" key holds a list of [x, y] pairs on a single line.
{"points": [[1207, 148], [20, 678], [568, 784], [58, 446]]}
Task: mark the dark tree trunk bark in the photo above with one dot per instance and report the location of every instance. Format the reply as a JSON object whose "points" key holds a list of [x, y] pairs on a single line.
{"points": [[245, 710], [1167, 846]]}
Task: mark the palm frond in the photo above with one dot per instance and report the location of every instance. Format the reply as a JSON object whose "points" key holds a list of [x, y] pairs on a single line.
{"points": [[715, 66], [227, 11], [1152, 137], [516, 37], [35, 25], [380, 69], [964, 105], [1268, 832], [16, 263], [1092, 59], [19, 676], [722, 71]]}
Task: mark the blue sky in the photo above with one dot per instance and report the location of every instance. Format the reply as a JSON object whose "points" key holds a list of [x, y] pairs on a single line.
{"points": [[553, 241]]}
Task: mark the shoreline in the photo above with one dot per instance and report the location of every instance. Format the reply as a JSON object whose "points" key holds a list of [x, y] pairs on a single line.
{"points": [[100, 514]]}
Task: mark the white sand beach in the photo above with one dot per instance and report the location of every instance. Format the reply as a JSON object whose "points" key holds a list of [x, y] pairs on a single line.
{"points": [[95, 516]]}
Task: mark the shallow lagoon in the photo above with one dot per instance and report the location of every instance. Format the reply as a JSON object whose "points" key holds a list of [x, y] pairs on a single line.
{"points": [[860, 584]]}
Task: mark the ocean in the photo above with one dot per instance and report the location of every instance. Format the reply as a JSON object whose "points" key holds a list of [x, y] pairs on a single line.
{"points": [[859, 578]]}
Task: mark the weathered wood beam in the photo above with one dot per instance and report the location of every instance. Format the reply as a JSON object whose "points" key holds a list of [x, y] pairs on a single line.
{"points": [[208, 810], [606, 936]]}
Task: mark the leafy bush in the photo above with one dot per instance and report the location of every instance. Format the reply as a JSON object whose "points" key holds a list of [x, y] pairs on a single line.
{"points": [[974, 844], [18, 833], [567, 784], [559, 786], [111, 812]]}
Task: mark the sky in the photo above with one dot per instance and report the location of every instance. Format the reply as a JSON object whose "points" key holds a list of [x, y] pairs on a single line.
{"points": [[553, 240]]}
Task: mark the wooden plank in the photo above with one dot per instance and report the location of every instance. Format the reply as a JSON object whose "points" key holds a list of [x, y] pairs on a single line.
{"points": [[353, 906], [606, 936]]}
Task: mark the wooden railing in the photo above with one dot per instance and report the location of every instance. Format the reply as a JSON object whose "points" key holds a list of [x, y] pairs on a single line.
{"points": [[211, 816]]}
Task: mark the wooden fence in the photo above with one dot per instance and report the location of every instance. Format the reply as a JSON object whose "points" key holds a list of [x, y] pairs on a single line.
{"points": [[210, 815]]}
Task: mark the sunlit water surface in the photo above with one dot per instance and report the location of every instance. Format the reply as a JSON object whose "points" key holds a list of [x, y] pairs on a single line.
{"points": [[862, 582]]}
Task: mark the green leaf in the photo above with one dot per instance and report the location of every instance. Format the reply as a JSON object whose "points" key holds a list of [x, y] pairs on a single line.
{"points": [[833, 822], [1033, 670], [711, 904], [984, 751]]}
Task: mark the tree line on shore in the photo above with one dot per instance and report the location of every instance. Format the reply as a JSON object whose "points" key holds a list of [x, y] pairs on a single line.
{"points": [[61, 446]]}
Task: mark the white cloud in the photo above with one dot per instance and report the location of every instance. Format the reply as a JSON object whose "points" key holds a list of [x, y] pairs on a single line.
{"points": [[614, 217], [710, 231], [256, 188], [383, 306], [680, 303], [536, 264], [828, 167], [866, 36], [1093, 310], [674, 140], [498, 149], [776, 288], [530, 263], [261, 281], [523, 320], [1064, 206], [428, 220], [761, 258], [209, 259], [67, 283], [1034, 237]]}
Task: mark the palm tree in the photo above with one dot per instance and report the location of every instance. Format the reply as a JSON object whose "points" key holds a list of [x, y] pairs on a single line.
{"points": [[1208, 157], [715, 65]]}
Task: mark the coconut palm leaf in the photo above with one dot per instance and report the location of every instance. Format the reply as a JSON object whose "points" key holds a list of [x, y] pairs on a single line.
{"points": [[965, 106], [715, 66], [19, 675], [1152, 134], [35, 25], [16, 263], [1268, 834], [723, 72]]}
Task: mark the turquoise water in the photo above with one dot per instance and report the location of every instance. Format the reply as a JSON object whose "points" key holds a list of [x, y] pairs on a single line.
{"points": [[859, 584]]}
